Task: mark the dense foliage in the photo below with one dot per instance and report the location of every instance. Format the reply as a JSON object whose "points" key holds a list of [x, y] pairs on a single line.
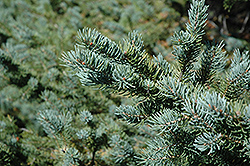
{"points": [[36, 90], [198, 107], [48, 118]]}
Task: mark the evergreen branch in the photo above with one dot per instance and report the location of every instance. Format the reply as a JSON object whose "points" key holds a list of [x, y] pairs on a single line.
{"points": [[93, 71], [139, 59], [96, 42], [197, 15], [213, 62], [144, 109], [53, 122], [174, 91], [238, 76], [165, 121], [213, 112], [201, 118], [131, 114], [130, 52], [208, 141], [162, 63], [72, 156], [122, 151], [158, 152], [189, 42], [94, 68], [111, 72], [84, 61]]}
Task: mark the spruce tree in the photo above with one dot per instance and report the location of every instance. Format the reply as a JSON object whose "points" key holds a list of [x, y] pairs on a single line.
{"points": [[48, 118], [197, 106]]}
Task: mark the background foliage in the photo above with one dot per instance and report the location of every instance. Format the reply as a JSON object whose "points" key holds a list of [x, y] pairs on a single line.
{"points": [[35, 87]]}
